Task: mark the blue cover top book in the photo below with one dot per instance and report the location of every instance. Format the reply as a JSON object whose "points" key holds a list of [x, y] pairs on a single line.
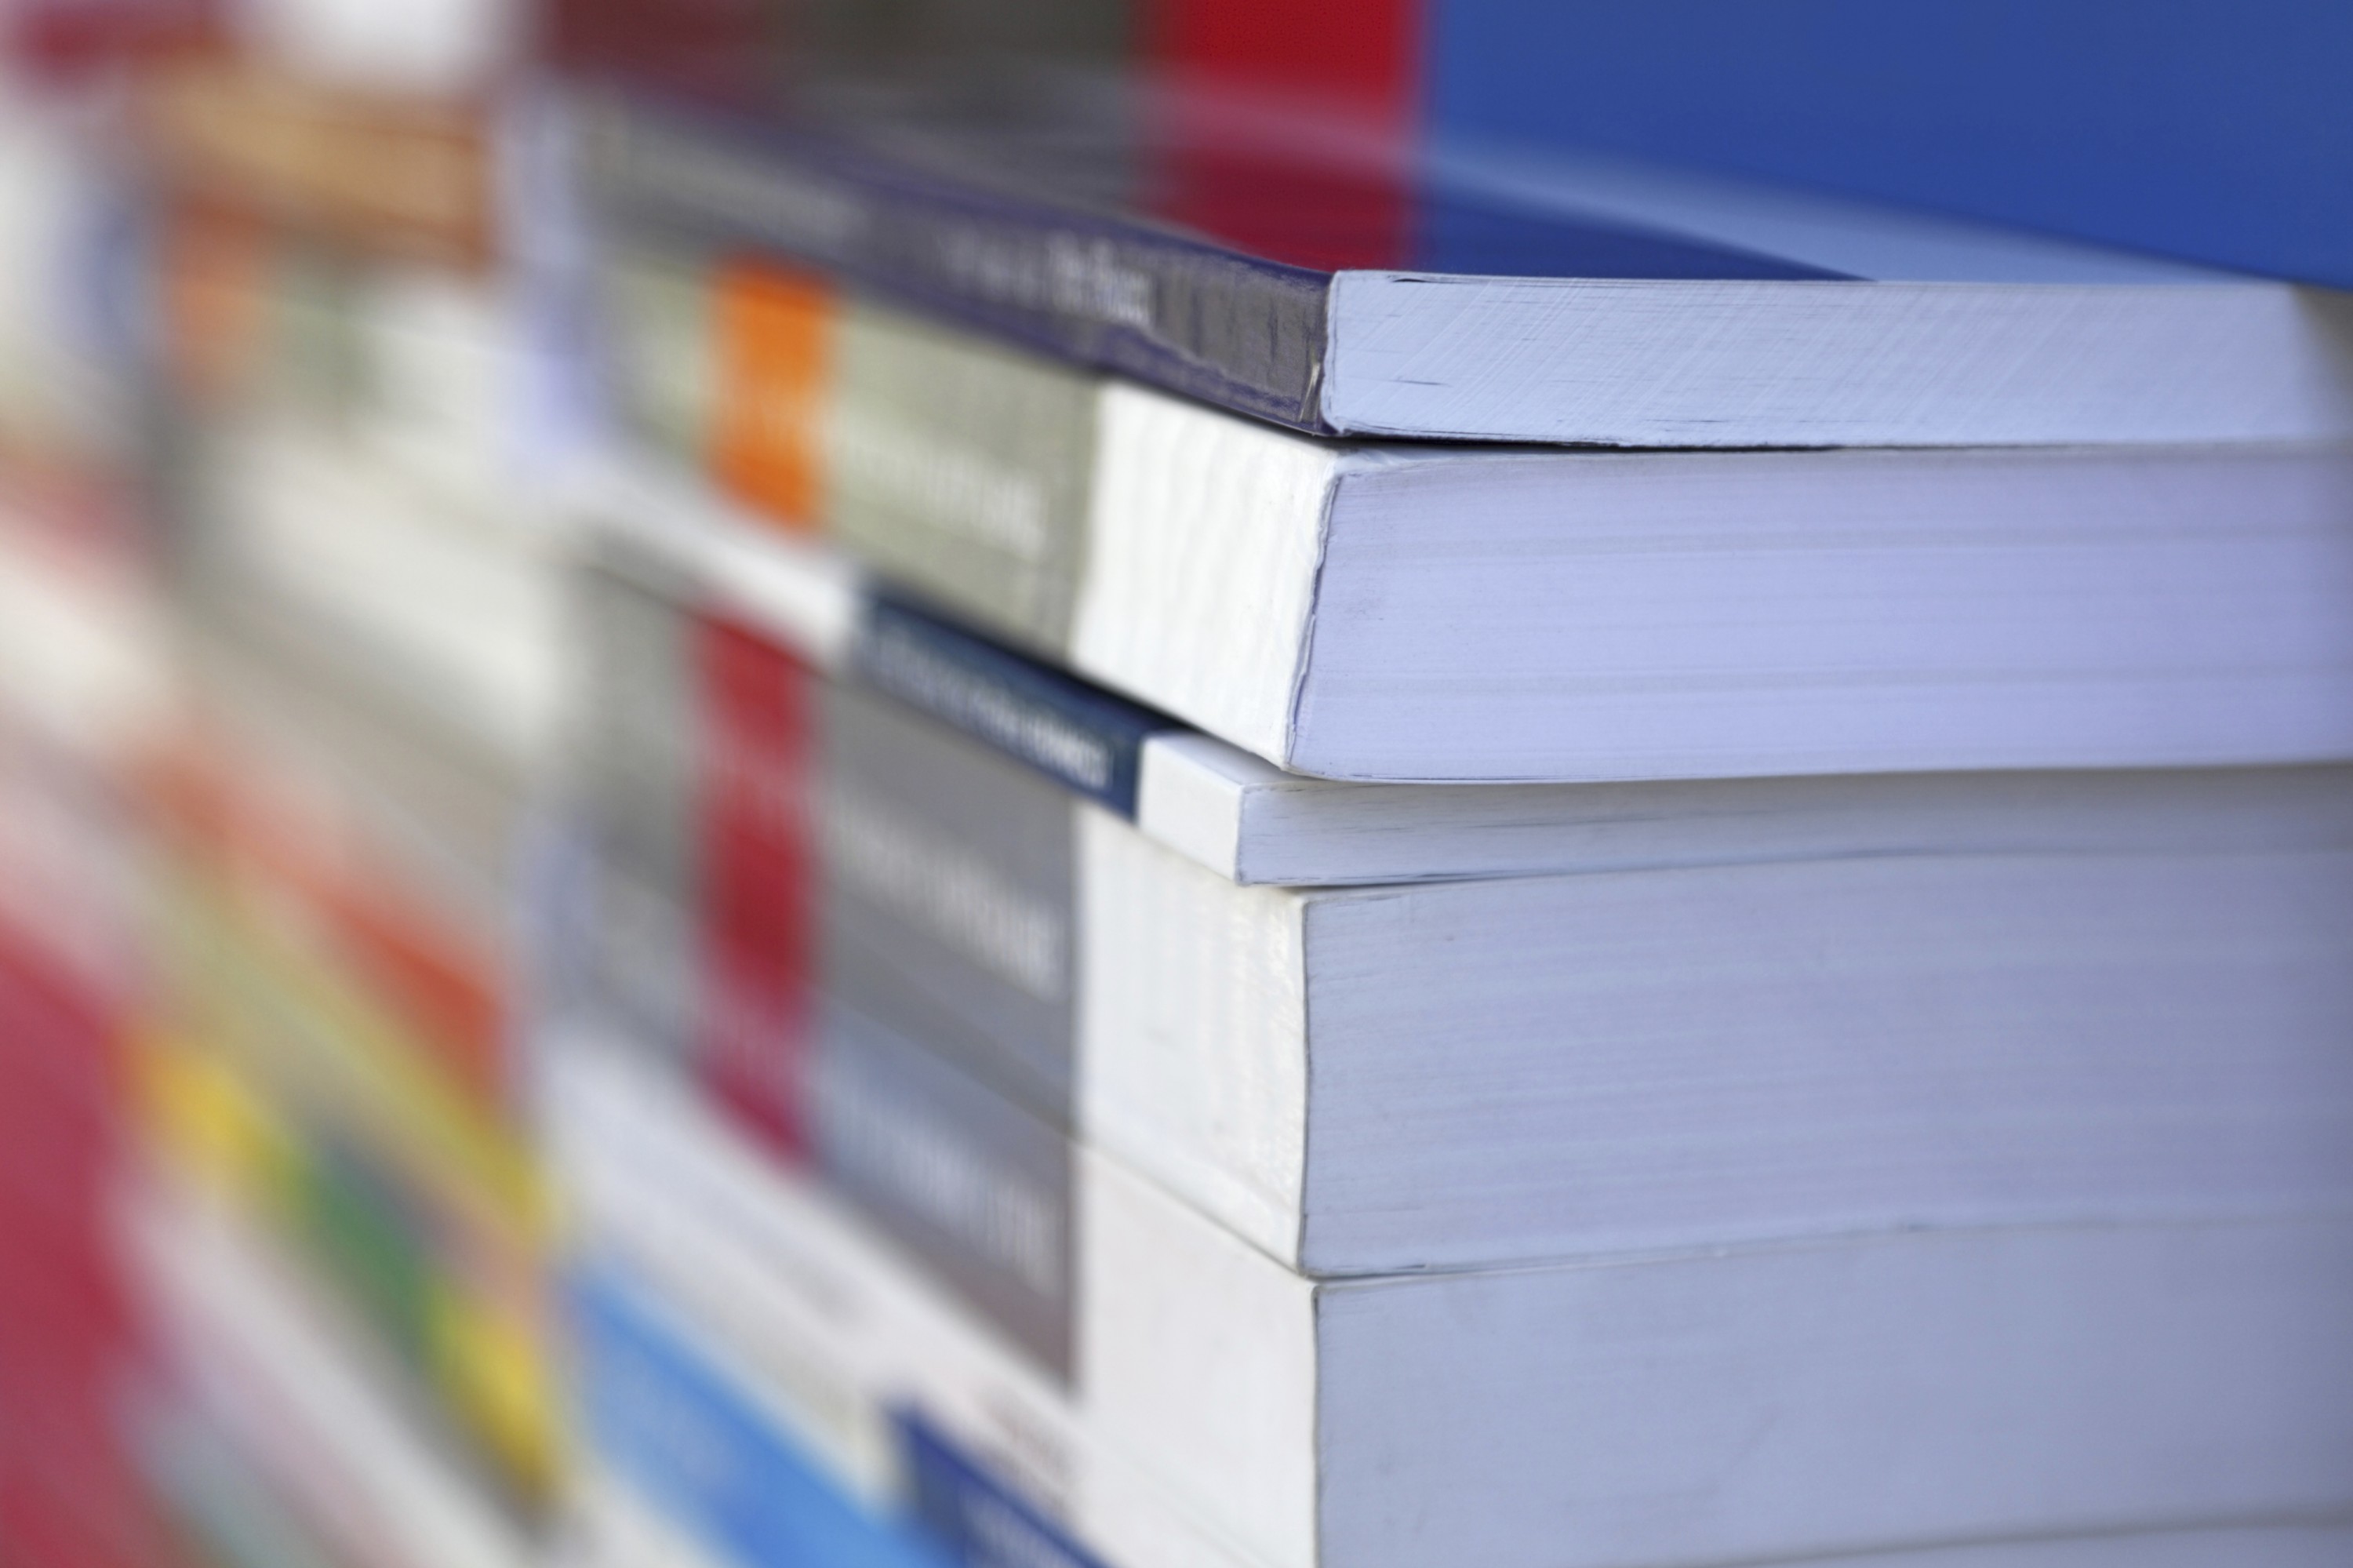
{"points": [[1309, 272]]}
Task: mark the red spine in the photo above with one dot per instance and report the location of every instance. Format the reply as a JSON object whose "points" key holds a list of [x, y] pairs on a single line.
{"points": [[759, 908], [69, 1493], [1364, 59], [1354, 73]]}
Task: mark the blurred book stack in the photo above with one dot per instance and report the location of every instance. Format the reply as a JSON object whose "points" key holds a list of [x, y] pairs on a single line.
{"points": [[1305, 859], [945, 785], [343, 1235]]}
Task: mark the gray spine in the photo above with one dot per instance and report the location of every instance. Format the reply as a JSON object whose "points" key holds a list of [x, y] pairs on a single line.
{"points": [[962, 469], [977, 1185], [949, 901], [638, 763], [660, 344], [944, 1078]]}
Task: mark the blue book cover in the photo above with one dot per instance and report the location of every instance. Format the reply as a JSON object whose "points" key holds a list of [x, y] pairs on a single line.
{"points": [[2220, 133], [693, 1441]]}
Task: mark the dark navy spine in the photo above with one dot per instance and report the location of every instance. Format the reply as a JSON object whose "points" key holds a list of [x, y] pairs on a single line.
{"points": [[1081, 737], [983, 1522], [1120, 295]]}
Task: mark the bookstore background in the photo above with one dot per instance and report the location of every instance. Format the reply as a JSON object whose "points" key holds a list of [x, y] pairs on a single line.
{"points": [[1146, 783]]}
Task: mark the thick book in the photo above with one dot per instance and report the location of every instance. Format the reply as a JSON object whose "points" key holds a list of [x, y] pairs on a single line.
{"points": [[874, 929], [1168, 747], [2057, 1395], [709, 1444], [1468, 614], [1271, 266]]}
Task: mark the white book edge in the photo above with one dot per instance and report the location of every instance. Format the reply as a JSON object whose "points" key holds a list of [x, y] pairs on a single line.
{"points": [[1728, 363]]}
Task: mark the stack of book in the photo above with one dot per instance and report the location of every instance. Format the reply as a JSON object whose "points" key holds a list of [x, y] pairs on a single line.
{"points": [[1299, 868], [779, 808], [342, 1237]]}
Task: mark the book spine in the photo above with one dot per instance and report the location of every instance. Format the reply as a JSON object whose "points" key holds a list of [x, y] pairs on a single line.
{"points": [[755, 709], [1079, 736], [1163, 309], [984, 1522], [635, 768], [456, 1306], [904, 1399], [874, 972], [1197, 1347], [952, 464], [284, 1017], [961, 469], [660, 343], [1078, 519], [415, 943], [977, 1185], [278, 1369], [694, 1437], [687, 1435], [219, 132], [949, 973]]}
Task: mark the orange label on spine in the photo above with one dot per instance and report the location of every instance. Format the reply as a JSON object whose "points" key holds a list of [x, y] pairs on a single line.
{"points": [[775, 351]]}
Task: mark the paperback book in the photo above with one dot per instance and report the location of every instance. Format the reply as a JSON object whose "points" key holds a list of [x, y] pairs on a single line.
{"points": [[1227, 1410], [1296, 271]]}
